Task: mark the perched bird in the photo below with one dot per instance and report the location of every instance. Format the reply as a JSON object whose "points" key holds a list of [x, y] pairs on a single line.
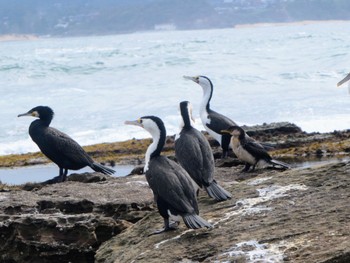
{"points": [[343, 80], [250, 151], [59, 147], [215, 122], [173, 189], [194, 153], [212, 121]]}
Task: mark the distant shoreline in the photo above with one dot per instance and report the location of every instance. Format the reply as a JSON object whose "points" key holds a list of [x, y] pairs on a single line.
{"points": [[17, 37], [303, 22], [23, 37]]}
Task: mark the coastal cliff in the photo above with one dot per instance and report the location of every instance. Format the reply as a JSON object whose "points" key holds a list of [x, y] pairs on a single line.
{"points": [[298, 215]]}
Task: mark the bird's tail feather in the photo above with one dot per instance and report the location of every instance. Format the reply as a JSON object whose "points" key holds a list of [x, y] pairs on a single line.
{"points": [[195, 221], [284, 165], [102, 169], [217, 192]]}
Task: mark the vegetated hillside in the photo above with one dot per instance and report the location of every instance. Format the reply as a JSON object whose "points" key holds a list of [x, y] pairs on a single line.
{"points": [[91, 17]]}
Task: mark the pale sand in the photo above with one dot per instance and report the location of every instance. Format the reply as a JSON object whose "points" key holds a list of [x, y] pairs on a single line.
{"points": [[17, 37], [303, 23]]}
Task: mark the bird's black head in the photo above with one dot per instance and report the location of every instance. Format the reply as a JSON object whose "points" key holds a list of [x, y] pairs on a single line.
{"points": [[201, 80], [186, 113], [205, 78], [44, 113], [155, 127]]}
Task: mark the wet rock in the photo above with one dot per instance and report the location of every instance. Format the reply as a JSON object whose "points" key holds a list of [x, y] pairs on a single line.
{"points": [[272, 129], [298, 215], [273, 215], [67, 222], [87, 177]]}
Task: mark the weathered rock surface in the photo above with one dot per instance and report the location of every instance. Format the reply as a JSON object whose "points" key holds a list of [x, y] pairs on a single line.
{"points": [[67, 222], [298, 215]]}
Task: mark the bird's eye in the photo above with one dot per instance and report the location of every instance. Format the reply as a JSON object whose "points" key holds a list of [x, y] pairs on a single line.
{"points": [[140, 121]]}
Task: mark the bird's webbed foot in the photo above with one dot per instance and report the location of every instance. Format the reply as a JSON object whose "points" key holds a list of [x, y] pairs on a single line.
{"points": [[168, 227], [246, 168], [224, 154], [55, 180]]}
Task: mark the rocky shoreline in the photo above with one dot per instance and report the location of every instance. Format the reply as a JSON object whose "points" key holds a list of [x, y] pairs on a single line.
{"points": [[298, 215]]}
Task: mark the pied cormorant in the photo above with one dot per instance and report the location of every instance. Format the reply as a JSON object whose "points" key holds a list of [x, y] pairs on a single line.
{"points": [[193, 152], [250, 151], [213, 121], [173, 189], [58, 146]]}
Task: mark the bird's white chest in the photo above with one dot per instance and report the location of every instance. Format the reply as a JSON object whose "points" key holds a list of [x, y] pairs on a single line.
{"points": [[205, 122], [242, 153]]}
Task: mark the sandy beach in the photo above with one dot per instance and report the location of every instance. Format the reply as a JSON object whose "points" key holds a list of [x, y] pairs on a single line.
{"points": [[17, 37], [303, 23]]}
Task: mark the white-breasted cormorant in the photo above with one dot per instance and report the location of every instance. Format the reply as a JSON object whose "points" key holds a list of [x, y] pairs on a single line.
{"points": [[344, 80], [250, 151], [173, 189], [213, 121], [193, 152], [58, 146]]}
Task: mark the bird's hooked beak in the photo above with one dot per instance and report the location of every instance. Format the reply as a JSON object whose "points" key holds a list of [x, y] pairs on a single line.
{"points": [[225, 131], [195, 79], [343, 80], [29, 113], [137, 122]]}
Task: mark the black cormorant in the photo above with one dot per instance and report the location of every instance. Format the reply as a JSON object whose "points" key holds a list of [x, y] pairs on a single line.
{"points": [[250, 151], [194, 153], [59, 147], [344, 80], [173, 189]]}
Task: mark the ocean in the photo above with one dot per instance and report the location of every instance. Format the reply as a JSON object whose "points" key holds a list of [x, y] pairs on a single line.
{"points": [[261, 74]]}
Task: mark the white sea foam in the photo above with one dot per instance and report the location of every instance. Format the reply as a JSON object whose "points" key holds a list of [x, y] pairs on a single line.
{"points": [[94, 84], [253, 251], [257, 205]]}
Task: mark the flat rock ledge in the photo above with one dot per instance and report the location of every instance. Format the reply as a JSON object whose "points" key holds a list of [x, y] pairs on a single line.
{"points": [[298, 215]]}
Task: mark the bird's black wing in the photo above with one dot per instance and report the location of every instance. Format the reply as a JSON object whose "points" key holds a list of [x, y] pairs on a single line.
{"points": [[219, 122], [169, 181], [208, 157], [256, 149], [63, 150], [193, 152]]}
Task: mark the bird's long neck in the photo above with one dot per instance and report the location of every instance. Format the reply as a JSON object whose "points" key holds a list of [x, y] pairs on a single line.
{"points": [[156, 146], [186, 118], [35, 129], [44, 121], [205, 103]]}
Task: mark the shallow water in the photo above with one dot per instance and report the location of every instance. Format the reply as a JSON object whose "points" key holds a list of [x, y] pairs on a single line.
{"points": [[40, 173]]}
